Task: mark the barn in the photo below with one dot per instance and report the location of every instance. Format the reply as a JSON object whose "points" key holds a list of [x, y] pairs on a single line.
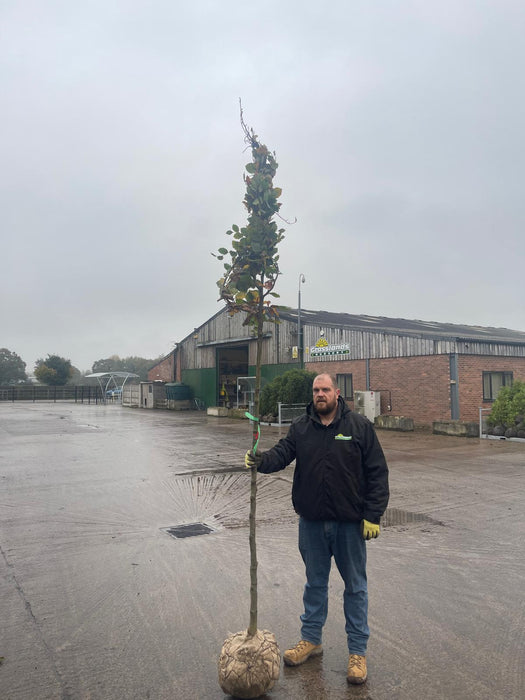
{"points": [[423, 370]]}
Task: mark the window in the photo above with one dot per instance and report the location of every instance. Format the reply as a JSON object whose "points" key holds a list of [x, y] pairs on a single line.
{"points": [[345, 384], [492, 383]]}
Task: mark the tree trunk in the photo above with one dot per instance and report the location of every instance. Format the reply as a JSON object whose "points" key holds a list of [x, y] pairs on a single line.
{"points": [[252, 629]]}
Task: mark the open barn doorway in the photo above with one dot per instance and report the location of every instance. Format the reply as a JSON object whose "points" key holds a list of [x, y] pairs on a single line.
{"points": [[232, 362]]}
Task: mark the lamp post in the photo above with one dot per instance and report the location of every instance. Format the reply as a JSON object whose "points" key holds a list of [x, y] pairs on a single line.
{"points": [[302, 280]]}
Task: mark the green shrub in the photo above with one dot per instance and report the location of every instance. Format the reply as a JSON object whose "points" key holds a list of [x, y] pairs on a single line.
{"points": [[270, 397], [294, 386], [509, 404]]}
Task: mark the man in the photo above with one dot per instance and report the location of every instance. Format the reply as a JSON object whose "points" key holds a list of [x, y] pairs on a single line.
{"points": [[340, 491]]}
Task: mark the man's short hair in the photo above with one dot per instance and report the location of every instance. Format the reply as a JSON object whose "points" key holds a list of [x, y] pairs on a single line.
{"points": [[328, 374]]}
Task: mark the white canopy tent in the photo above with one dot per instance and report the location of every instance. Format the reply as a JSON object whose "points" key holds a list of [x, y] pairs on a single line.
{"points": [[106, 380]]}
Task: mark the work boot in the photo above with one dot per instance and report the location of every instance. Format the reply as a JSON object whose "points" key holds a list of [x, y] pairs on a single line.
{"points": [[301, 652], [356, 669]]}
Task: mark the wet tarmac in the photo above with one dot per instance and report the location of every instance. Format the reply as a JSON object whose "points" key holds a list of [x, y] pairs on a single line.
{"points": [[99, 601]]}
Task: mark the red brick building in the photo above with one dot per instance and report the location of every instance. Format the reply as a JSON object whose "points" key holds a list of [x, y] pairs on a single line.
{"points": [[423, 370], [165, 370]]}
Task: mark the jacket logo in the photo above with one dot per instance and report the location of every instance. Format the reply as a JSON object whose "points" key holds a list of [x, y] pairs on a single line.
{"points": [[343, 437]]}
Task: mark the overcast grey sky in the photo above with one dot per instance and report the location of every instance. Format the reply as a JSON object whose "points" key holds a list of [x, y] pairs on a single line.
{"points": [[398, 128]]}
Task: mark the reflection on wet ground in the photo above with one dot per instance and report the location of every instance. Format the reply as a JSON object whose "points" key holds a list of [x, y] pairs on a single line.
{"points": [[98, 601]]}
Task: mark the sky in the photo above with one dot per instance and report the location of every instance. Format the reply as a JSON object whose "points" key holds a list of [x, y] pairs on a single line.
{"points": [[397, 126]]}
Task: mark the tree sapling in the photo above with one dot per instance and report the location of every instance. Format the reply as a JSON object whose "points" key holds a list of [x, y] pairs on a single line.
{"points": [[250, 660]]}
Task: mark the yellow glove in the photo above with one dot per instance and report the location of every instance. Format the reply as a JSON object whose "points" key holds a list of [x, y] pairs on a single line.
{"points": [[252, 460], [370, 530]]}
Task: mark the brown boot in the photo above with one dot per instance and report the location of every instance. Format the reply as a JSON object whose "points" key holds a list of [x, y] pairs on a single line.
{"points": [[356, 669], [301, 652]]}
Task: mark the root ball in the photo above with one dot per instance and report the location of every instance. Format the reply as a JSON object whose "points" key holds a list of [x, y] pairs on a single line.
{"points": [[249, 665]]}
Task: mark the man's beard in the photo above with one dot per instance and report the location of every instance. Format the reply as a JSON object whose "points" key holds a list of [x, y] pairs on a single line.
{"points": [[324, 407]]}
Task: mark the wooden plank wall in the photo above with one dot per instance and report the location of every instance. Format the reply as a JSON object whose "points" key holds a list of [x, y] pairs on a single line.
{"points": [[198, 351]]}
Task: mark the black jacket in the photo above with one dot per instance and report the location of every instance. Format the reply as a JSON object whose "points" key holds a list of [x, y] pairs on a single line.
{"points": [[340, 469]]}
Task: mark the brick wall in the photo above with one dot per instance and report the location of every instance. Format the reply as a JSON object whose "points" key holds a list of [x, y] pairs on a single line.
{"points": [[471, 368], [420, 386], [163, 371]]}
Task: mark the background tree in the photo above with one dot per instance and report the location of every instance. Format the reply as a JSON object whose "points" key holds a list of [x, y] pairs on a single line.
{"points": [[76, 376], [250, 660], [134, 364], [294, 386], [108, 364], [12, 367], [54, 370]]}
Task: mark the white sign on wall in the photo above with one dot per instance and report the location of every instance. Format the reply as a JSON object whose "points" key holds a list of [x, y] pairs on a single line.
{"points": [[323, 350]]}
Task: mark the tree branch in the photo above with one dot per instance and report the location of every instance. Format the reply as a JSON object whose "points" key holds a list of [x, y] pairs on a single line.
{"points": [[249, 136]]}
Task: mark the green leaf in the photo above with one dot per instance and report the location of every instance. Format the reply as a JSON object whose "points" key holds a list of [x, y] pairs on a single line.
{"points": [[223, 251], [244, 283]]}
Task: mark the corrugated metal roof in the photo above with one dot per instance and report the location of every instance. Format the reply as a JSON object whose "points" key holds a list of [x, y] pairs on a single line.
{"points": [[99, 375], [403, 326]]}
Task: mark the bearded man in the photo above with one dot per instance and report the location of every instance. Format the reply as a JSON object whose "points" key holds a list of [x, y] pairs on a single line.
{"points": [[340, 491]]}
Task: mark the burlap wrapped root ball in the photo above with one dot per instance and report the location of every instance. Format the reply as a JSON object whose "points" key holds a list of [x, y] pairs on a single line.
{"points": [[249, 665]]}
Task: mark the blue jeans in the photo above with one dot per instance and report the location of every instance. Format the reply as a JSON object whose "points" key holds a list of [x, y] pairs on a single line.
{"points": [[318, 542]]}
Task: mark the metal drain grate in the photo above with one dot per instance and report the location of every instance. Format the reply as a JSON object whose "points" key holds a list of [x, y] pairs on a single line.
{"points": [[189, 530], [396, 516]]}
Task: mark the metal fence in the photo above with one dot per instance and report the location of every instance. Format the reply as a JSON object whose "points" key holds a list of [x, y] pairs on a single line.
{"points": [[483, 425], [486, 432], [38, 392], [289, 411]]}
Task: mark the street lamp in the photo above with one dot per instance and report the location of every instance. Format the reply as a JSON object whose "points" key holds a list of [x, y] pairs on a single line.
{"points": [[302, 280]]}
